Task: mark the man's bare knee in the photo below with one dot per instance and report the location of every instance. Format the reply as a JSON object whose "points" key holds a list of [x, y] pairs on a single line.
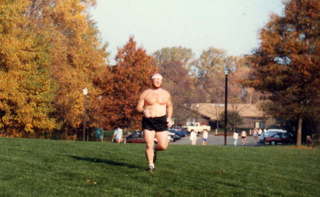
{"points": [[161, 147]]}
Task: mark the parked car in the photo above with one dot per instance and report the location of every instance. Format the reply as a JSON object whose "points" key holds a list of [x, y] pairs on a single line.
{"points": [[276, 137], [179, 132], [135, 137], [173, 137]]}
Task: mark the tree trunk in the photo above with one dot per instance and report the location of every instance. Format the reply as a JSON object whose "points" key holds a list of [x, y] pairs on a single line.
{"points": [[299, 132]]}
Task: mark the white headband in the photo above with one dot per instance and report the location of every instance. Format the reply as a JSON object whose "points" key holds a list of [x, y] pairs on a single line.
{"points": [[156, 76]]}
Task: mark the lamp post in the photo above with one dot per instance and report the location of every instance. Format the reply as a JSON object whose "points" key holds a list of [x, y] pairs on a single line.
{"points": [[226, 72], [85, 92]]}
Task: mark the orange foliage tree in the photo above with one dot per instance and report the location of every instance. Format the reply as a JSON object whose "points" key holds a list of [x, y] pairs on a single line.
{"points": [[130, 76], [286, 65]]}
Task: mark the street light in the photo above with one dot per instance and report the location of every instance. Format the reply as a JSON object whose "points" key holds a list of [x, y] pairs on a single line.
{"points": [[226, 72], [85, 92]]}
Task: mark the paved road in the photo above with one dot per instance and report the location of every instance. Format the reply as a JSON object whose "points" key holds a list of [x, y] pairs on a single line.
{"points": [[216, 140]]}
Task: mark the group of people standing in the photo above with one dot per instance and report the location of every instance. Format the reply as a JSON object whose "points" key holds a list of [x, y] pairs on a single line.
{"points": [[243, 135], [194, 137]]}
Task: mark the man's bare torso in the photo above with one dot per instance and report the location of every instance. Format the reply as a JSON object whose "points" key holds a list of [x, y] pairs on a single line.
{"points": [[155, 102]]}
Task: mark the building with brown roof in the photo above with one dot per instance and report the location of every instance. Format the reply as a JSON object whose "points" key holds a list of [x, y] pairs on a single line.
{"points": [[253, 116]]}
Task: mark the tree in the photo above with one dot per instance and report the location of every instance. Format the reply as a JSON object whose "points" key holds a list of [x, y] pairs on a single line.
{"points": [[26, 90], [286, 65], [173, 63], [181, 86], [130, 76], [209, 70], [234, 119], [212, 59], [50, 51], [72, 56], [77, 57], [173, 54]]}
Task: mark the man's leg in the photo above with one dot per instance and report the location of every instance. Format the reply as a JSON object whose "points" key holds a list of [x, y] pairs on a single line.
{"points": [[149, 138], [163, 141]]}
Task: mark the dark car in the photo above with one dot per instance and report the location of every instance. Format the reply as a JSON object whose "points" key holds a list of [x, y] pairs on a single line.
{"points": [[173, 136], [136, 137], [276, 137], [179, 132]]}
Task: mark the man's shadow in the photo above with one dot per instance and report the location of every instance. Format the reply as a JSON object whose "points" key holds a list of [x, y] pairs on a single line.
{"points": [[105, 161]]}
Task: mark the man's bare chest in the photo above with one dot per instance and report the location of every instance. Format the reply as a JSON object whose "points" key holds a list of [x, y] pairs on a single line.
{"points": [[156, 98]]}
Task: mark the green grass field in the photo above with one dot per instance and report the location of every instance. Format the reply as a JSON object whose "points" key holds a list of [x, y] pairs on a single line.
{"points": [[31, 167]]}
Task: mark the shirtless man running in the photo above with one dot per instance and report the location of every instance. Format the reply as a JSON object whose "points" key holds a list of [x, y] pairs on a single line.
{"points": [[156, 105]]}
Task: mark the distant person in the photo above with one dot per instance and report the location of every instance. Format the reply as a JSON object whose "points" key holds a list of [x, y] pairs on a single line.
{"points": [[263, 131], [205, 137], [193, 137], [243, 137], [255, 135], [117, 135], [99, 134], [309, 140], [235, 138], [156, 105]]}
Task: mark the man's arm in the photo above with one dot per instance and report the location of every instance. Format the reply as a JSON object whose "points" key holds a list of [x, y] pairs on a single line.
{"points": [[140, 106], [169, 111]]}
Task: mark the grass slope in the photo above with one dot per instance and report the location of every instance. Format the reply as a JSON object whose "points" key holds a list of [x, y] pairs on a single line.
{"points": [[30, 167]]}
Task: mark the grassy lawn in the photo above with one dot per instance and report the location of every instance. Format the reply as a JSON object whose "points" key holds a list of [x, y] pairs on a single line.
{"points": [[31, 167]]}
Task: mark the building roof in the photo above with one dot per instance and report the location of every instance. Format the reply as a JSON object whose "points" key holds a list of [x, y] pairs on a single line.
{"points": [[213, 110]]}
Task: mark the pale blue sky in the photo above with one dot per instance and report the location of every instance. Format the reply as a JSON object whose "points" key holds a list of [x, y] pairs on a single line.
{"points": [[232, 25]]}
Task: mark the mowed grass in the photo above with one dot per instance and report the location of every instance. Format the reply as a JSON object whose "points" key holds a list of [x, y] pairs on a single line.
{"points": [[32, 167]]}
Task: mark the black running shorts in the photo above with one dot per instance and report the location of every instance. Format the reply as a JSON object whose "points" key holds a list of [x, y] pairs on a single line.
{"points": [[155, 124]]}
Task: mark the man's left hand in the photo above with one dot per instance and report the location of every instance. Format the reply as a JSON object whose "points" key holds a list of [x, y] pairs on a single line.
{"points": [[170, 122]]}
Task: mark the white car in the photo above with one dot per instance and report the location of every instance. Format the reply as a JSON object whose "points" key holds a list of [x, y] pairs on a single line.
{"points": [[172, 137]]}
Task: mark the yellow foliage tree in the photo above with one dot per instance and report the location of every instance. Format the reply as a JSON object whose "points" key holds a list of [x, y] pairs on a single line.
{"points": [[26, 91], [77, 58], [50, 51]]}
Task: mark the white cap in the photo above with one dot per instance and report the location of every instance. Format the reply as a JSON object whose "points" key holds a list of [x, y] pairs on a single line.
{"points": [[156, 76]]}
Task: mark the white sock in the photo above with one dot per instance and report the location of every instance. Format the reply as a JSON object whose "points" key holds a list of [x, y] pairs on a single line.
{"points": [[151, 165]]}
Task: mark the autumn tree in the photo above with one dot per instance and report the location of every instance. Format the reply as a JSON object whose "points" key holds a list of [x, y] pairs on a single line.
{"points": [[130, 76], [202, 77], [173, 54], [50, 51], [77, 57], [174, 66], [286, 65], [239, 91], [209, 71], [181, 87], [26, 90]]}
